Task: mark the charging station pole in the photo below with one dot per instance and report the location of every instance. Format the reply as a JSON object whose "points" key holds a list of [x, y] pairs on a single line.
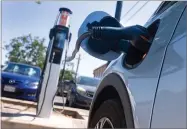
{"points": [[59, 41]]}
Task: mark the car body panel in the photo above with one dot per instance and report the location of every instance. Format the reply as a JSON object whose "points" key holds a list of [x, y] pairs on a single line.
{"points": [[170, 104], [115, 81], [88, 88], [80, 99], [141, 82], [64, 87], [19, 77]]}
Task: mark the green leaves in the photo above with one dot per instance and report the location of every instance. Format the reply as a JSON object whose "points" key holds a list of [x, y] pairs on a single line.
{"points": [[27, 49], [68, 75], [38, 1]]}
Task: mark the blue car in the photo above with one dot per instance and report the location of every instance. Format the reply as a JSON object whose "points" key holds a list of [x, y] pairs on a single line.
{"points": [[20, 81]]}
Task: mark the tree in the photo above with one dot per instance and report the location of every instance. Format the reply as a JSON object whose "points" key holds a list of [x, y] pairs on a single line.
{"points": [[38, 1], [27, 49], [68, 75]]}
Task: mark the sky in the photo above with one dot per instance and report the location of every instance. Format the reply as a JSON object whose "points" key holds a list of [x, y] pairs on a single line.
{"points": [[27, 17]]}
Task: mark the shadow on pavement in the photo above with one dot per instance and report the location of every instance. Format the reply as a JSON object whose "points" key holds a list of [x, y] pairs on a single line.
{"points": [[5, 114]]}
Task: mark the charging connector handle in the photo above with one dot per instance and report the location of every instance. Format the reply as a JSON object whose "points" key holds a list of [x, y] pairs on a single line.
{"points": [[115, 33], [138, 35]]}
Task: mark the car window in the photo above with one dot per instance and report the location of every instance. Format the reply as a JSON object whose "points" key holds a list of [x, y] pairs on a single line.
{"points": [[131, 14], [164, 6], [22, 69], [180, 31], [87, 81]]}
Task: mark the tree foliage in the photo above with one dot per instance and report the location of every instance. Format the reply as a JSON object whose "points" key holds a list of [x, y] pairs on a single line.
{"points": [[27, 49], [38, 1], [68, 75]]}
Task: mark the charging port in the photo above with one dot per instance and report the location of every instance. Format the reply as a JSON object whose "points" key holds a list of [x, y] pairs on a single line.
{"points": [[134, 56]]}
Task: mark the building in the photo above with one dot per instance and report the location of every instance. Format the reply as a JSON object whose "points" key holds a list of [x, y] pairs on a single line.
{"points": [[98, 72]]}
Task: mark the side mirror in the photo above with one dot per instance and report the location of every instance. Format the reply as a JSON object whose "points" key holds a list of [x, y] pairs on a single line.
{"points": [[103, 52]]}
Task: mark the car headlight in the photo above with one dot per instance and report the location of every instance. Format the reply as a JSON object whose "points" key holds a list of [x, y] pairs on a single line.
{"points": [[81, 90], [34, 84]]}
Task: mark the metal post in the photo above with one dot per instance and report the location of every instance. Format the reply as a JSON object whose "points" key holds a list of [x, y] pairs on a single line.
{"points": [[119, 5]]}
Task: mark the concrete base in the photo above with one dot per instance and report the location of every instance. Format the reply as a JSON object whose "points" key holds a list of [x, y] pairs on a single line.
{"points": [[22, 114]]}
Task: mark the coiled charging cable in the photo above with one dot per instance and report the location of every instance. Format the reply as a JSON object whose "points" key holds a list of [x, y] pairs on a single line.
{"points": [[78, 44], [62, 89]]}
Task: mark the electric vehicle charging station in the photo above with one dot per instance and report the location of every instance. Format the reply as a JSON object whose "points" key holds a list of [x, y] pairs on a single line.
{"points": [[60, 37], [94, 36], [100, 35]]}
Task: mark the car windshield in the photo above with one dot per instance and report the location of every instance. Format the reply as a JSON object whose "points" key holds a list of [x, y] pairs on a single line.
{"points": [[22, 69], [87, 81]]}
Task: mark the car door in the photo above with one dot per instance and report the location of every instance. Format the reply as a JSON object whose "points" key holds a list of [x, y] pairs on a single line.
{"points": [[142, 79], [170, 104]]}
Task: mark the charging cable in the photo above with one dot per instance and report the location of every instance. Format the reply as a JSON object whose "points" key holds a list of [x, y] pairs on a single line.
{"points": [[63, 86], [78, 44], [47, 81], [138, 36], [116, 37]]}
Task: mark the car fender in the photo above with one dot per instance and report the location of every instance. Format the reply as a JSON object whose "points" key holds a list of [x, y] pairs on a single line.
{"points": [[115, 80]]}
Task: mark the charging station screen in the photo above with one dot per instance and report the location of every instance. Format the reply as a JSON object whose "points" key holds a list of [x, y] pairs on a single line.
{"points": [[60, 38]]}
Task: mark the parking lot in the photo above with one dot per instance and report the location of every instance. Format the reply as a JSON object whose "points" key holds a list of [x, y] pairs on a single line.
{"points": [[58, 101], [20, 113]]}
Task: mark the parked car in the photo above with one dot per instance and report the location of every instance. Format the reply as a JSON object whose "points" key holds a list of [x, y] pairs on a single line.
{"points": [[20, 81], [64, 86], [82, 93], [147, 92]]}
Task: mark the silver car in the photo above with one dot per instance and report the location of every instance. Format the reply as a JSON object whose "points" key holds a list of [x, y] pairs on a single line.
{"points": [[81, 94], [147, 91]]}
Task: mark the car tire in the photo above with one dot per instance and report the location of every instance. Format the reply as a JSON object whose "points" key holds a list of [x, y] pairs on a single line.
{"points": [[111, 111]]}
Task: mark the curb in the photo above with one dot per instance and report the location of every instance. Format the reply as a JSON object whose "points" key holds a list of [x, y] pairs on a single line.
{"points": [[18, 102], [70, 112]]}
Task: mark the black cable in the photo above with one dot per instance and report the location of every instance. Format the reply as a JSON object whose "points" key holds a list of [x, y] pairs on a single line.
{"points": [[47, 82], [64, 67], [78, 44], [43, 69], [130, 9]]}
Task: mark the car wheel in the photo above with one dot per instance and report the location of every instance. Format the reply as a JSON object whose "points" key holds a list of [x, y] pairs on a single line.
{"points": [[108, 115]]}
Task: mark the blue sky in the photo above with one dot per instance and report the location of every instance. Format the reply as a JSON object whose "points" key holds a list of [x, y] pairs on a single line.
{"points": [[24, 17]]}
